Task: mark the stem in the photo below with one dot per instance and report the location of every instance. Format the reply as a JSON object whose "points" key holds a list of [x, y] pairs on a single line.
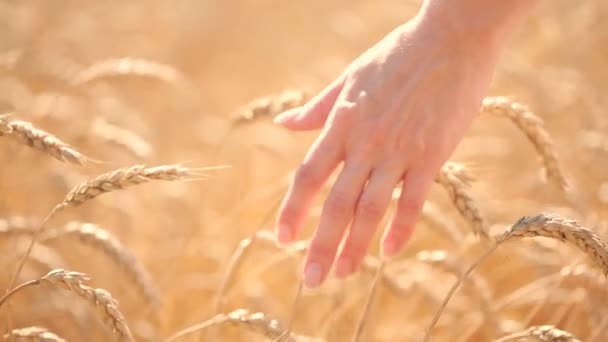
{"points": [[35, 238], [10, 293], [221, 318], [368, 303], [513, 337], [460, 280]]}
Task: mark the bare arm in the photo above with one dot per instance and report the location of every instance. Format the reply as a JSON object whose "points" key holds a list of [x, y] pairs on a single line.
{"points": [[392, 118]]}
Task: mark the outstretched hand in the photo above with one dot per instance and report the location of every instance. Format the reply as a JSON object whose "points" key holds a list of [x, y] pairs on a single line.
{"points": [[392, 118]]}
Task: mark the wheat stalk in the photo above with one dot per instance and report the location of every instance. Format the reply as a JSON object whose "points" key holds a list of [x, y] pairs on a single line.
{"points": [[258, 323], [370, 264], [542, 333], [368, 303], [100, 239], [479, 289], [533, 127], [545, 225], [26, 134], [269, 106], [454, 180], [437, 221], [102, 300], [126, 66], [32, 334]]}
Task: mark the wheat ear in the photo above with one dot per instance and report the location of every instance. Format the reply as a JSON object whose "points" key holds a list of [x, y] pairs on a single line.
{"points": [[122, 137], [258, 323], [545, 225], [542, 333], [100, 239], [126, 66], [101, 299], [533, 127], [32, 334], [26, 134], [108, 182], [269, 106], [127, 177], [455, 181]]}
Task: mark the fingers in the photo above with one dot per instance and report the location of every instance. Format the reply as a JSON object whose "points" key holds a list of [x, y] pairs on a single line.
{"points": [[337, 214], [321, 160], [314, 114], [415, 188], [369, 212]]}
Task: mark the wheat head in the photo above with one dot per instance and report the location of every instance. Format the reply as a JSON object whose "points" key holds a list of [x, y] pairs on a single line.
{"points": [[269, 106], [102, 240], [553, 226], [542, 333], [533, 127], [455, 182], [32, 334], [258, 323], [25, 133], [100, 299]]}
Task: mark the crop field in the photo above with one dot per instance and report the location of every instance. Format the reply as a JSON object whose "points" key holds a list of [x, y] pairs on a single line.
{"points": [[141, 174]]}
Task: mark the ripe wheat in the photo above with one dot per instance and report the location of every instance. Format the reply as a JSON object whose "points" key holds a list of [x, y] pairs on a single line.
{"points": [[32, 334], [25, 133], [102, 300], [543, 333]]}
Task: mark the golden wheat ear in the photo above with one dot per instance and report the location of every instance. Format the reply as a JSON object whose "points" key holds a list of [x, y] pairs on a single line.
{"points": [[269, 106], [258, 323], [534, 129], [33, 334], [105, 305], [26, 134], [542, 333]]}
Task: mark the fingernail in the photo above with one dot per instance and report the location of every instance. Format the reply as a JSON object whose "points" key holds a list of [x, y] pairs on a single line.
{"points": [[285, 234], [312, 275], [344, 267], [281, 118]]}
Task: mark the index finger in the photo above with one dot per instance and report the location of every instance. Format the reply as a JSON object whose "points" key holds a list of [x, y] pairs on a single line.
{"points": [[320, 161]]}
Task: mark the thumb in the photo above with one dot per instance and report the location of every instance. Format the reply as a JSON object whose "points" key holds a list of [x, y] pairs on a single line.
{"points": [[314, 113]]}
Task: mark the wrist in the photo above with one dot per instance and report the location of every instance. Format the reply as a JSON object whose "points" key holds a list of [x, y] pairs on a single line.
{"points": [[487, 24]]}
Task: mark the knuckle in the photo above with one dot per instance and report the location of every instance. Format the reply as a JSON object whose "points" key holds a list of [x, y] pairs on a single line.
{"points": [[369, 208], [338, 204], [288, 214], [319, 250], [306, 175], [411, 207], [354, 248]]}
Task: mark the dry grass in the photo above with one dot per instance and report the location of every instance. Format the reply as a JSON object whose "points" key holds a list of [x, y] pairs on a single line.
{"points": [[138, 84]]}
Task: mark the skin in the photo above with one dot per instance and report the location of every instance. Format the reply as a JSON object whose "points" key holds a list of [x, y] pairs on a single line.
{"points": [[392, 119]]}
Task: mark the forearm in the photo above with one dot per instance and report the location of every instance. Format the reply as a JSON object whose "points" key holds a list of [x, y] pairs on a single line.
{"points": [[486, 21]]}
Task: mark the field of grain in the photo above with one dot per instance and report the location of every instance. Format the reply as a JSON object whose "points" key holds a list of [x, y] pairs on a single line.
{"points": [[147, 126]]}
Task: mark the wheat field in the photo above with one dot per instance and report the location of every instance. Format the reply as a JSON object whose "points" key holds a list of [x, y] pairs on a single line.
{"points": [[141, 174]]}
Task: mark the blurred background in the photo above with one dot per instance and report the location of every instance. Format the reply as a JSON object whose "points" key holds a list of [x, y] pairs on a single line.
{"points": [[210, 59]]}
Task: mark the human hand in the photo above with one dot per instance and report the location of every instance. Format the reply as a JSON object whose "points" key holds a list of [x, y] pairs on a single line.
{"points": [[394, 116]]}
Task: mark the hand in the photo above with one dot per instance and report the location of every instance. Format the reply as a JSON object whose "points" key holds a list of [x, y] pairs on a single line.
{"points": [[393, 117]]}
